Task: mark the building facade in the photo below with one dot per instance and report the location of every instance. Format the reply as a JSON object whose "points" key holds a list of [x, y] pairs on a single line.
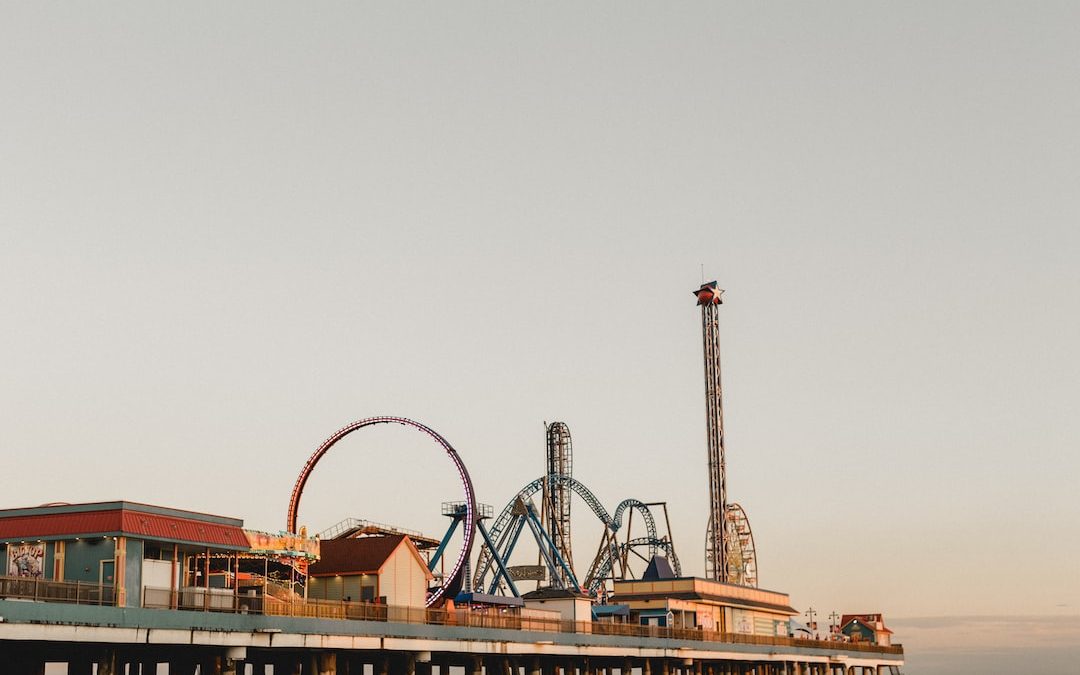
{"points": [[384, 569], [112, 551], [692, 602], [866, 628]]}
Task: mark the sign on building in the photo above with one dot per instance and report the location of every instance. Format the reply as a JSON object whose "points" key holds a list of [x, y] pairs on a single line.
{"points": [[528, 572], [743, 621], [282, 544], [26, 560]]}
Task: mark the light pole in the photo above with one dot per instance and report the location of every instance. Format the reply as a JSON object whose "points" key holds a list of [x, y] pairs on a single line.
{"points": [[810, 614]]}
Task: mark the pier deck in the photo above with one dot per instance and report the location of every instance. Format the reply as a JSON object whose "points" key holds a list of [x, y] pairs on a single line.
{"points": [[109, 638]]}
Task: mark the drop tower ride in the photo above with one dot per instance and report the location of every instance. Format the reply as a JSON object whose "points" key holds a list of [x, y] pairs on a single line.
{"points": [[717, 544], [730, 554]]}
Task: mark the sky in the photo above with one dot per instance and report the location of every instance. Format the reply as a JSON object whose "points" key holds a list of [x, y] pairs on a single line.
{"points": [[228, 231]]}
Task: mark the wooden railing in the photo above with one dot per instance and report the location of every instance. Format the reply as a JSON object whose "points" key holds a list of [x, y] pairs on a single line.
{"points": [[494, 618], [43, 590]]}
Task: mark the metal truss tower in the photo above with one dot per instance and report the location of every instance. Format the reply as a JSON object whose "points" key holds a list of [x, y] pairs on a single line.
{"points": [[557, 493], [717, 546]]}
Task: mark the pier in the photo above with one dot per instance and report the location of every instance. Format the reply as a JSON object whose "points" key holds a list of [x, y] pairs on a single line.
{"points": [[126, 588], [109, 640]]}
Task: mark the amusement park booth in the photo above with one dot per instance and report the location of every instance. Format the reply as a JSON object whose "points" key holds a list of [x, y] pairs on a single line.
{"points": [[570, 605], [866, 628], [109, 552], [692, 602], [384, 569]]}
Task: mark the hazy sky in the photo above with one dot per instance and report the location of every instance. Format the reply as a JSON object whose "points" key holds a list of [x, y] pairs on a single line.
{"points": [[228, 230]]}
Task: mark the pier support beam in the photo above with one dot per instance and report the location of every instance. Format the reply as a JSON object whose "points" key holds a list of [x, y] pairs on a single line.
{"points": [[177, 666], [106, 665], [324, 663], [26, 665], [286, 665]]}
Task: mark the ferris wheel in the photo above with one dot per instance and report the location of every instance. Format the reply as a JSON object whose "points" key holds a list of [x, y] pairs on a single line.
{"points": [[741, 559]]}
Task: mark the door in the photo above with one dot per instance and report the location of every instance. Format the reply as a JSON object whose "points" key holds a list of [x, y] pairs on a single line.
{"points": [[105, 572]]}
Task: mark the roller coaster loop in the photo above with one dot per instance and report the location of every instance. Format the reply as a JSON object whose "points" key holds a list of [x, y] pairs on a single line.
{"points": [[455, 576]]}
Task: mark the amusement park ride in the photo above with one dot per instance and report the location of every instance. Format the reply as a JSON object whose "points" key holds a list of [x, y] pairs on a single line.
{"points": [[616, 544], [729, 550]]}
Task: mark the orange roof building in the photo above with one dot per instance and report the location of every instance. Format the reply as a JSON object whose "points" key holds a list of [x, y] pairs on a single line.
{"points": [[386, 569]]}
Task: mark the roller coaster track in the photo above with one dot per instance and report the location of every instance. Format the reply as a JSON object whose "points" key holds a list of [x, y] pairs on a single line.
{"points": [[455, 578], [646, 514], [607, 555]]}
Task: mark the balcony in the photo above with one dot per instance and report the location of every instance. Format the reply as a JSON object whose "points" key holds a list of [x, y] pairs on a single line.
{"points": [[42, 590], [163, 598]]}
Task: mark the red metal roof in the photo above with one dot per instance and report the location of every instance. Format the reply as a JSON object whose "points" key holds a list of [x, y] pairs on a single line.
{"points": [[868, 620], [124, 522], [59, 524], [153, 526]]}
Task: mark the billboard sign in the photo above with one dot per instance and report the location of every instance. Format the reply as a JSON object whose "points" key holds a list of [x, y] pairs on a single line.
{"points": [[528, 572], [26, 560], [282, 544]]}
